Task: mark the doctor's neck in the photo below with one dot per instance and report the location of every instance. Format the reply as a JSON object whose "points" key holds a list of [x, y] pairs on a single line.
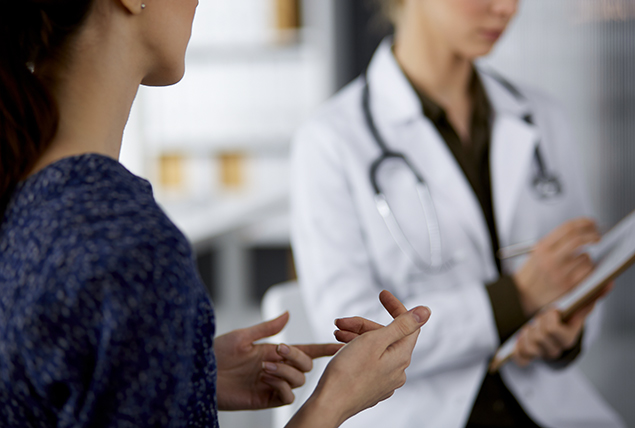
{"points": [[430, 63]]}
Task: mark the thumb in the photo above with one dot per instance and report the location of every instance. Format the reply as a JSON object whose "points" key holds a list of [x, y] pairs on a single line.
{"points": [[404, 325], [267, 328], [578, 319]]}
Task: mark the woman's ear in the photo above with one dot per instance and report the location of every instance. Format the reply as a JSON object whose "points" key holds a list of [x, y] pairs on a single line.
{"points": [[134, 7]]}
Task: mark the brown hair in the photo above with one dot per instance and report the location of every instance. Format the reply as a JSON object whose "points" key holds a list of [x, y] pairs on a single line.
{"points": [[32, 32]]}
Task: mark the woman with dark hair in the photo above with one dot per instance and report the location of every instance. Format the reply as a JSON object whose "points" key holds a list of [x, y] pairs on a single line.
{"points": [[411, 179], [105, 322]]}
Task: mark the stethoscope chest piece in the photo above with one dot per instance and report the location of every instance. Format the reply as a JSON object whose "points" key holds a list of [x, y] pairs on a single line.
{"points": [[547, 188]]}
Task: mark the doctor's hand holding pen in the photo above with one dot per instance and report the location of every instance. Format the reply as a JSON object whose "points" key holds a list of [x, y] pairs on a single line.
{"points": [[556, 264]]}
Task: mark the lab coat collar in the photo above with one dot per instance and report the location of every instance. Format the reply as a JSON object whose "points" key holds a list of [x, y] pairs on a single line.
{"points": [[513, 141], [513, 145], [391, 89], [504, 100], [397, 106]]}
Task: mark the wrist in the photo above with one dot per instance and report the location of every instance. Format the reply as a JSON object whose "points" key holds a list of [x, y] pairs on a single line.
{"points": [[527, 303], [319, 411], [222, 394], [529, 307]]}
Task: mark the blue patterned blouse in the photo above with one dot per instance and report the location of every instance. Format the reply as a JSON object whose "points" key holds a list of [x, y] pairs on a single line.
{"points": [[104, 321]]}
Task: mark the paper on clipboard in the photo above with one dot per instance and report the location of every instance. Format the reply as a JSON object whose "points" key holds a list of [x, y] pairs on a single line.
{"points": [[612, 256]]}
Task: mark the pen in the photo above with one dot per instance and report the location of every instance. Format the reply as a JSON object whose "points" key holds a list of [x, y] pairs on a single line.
{"points": [[515, 250], [519, 249]]}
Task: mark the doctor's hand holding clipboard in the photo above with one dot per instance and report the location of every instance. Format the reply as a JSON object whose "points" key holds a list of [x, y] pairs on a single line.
{"points": [[557, 264], [548, 336], [558, 323]]}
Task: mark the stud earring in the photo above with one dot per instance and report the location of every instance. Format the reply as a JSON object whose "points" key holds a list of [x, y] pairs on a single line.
{"points": [[143, 6]]}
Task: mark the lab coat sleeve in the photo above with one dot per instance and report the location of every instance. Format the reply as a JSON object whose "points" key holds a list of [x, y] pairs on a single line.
{"points": [[338, 279]]}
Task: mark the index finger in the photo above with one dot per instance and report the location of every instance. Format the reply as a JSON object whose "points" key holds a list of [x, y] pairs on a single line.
{"points": [[320, 349], [357, 325], [350, 328], [392, 304], [266, 329]]}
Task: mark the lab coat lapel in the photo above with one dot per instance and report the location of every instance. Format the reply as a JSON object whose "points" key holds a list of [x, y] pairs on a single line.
{"points": [[397, 111], [513, 145], [512, 149]]}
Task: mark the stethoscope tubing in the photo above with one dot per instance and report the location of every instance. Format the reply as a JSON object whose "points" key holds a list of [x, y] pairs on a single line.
{"points": [[546, 186], [436, 264]]}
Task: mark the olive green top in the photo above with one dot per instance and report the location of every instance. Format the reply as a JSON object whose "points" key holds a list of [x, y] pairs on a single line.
{"points": [[495, 405]]}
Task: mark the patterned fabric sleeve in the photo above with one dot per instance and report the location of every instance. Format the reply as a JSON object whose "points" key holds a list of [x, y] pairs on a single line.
{"points": [[115, 352]]}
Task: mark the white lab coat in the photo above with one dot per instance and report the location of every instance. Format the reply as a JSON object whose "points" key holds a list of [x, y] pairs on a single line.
{"points": [[345, 255]]}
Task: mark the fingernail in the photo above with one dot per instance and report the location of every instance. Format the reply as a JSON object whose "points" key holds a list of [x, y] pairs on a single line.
{"points": [[421, 313], [270, 367], [283, 349]]}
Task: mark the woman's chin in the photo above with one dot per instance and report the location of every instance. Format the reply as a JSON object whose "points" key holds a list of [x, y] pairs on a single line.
{"points": [[480, 50], [165, 77]]}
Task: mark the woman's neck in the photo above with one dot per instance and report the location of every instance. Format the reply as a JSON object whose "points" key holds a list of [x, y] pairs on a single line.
{"points": [[437, 71], [94, 95], [431, 65]]}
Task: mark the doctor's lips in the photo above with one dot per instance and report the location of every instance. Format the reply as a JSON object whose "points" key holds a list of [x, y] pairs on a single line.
{"points": [[492, 35]]}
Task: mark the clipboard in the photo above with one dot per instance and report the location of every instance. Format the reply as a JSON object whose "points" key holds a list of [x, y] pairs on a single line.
{"points": [[613, 255]]}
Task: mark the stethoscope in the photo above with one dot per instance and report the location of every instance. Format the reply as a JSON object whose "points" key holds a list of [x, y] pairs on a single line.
{"points": [[545, 184]]}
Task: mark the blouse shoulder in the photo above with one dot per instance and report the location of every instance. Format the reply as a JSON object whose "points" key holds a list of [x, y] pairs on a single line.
{"points": [[96, 280], [88, 222]]}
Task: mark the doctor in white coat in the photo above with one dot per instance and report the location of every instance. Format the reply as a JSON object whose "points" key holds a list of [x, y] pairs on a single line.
{"points": [[500, 168]]}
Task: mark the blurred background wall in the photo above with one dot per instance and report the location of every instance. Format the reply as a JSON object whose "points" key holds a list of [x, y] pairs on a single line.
{"points": [[215, 146]]}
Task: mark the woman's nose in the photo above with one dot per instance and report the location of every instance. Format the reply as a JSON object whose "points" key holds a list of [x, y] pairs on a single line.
{"points": [[505, 8]]}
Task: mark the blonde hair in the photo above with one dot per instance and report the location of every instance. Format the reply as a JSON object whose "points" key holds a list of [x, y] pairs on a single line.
{"points": [[390, 9]]}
